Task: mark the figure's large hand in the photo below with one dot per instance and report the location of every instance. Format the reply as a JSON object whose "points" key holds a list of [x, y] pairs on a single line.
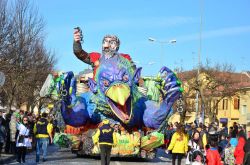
{"points": [[65, 85], [170, 86], [75, 111], [62, 88], [77, 35], [157, 112]]}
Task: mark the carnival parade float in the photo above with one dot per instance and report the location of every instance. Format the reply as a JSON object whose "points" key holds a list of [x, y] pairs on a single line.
{"points": [[138, 107]]}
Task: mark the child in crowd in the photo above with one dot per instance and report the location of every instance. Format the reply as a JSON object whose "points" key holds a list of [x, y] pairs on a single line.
{"points": [[222, 145], [213, 156]]}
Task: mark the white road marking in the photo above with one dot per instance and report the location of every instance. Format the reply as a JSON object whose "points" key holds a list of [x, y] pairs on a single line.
{"points": [[164, 158], [117, 163]]}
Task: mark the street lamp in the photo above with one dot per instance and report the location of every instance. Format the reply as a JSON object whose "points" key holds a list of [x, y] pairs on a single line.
{"points": [[173, 41], [151, 39], [162, 42], [148, 63]]}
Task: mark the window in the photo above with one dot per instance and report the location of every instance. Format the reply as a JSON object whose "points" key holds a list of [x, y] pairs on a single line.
{"points": [[236, 103], [215, 106], [225, 104], [244, 110]]}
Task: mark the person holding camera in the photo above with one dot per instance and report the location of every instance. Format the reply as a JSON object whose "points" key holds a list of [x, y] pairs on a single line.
{"points": [[23, 139]]}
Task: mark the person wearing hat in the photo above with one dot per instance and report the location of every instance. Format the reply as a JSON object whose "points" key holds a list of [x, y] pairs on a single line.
{"points": [[229, 151], [106, 138]]}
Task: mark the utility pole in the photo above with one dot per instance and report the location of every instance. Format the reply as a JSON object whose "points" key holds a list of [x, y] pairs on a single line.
{"points": [[198, 69]]}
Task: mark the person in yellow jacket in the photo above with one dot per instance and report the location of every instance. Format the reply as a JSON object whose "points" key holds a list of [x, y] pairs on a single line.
{"points": [[42, 131], [106, 138], [178, 145]]}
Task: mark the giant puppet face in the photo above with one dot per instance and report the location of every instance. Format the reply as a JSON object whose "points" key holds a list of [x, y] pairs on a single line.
{"points": [[110, 45], [115, 82]]}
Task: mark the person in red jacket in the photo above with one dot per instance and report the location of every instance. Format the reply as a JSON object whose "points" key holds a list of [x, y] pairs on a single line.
{"points": [[213, 156], [110, 47], [239, 151]]}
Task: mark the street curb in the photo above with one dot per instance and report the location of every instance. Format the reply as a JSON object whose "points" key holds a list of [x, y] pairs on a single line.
{"points": [[13, 157], [6, 160]]}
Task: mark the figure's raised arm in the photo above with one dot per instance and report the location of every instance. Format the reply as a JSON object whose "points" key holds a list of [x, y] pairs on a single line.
{"points": [[77, 47]]}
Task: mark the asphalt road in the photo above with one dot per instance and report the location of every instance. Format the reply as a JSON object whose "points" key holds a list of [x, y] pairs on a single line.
{"points": [[57, 156]]}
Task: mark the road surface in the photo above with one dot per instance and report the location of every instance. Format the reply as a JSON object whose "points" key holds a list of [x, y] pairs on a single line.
{"points": [[63, 156]]}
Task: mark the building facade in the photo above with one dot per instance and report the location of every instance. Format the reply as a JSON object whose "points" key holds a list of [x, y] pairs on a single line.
{"points": [[227, 109]]}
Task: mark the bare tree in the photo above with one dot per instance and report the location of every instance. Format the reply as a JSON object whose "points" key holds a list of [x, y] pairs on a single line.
{"points": [[27, 61], [188, 95], [214, 83], [219, 83], [5, 32]]}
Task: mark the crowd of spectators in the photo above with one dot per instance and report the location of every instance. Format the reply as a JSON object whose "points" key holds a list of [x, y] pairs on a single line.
{"points": [[210, 145], [21, 131], [200, 144]]}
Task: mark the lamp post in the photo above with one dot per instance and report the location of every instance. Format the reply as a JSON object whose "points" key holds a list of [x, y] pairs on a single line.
{"points": [[198, 69], [173, 41]]}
